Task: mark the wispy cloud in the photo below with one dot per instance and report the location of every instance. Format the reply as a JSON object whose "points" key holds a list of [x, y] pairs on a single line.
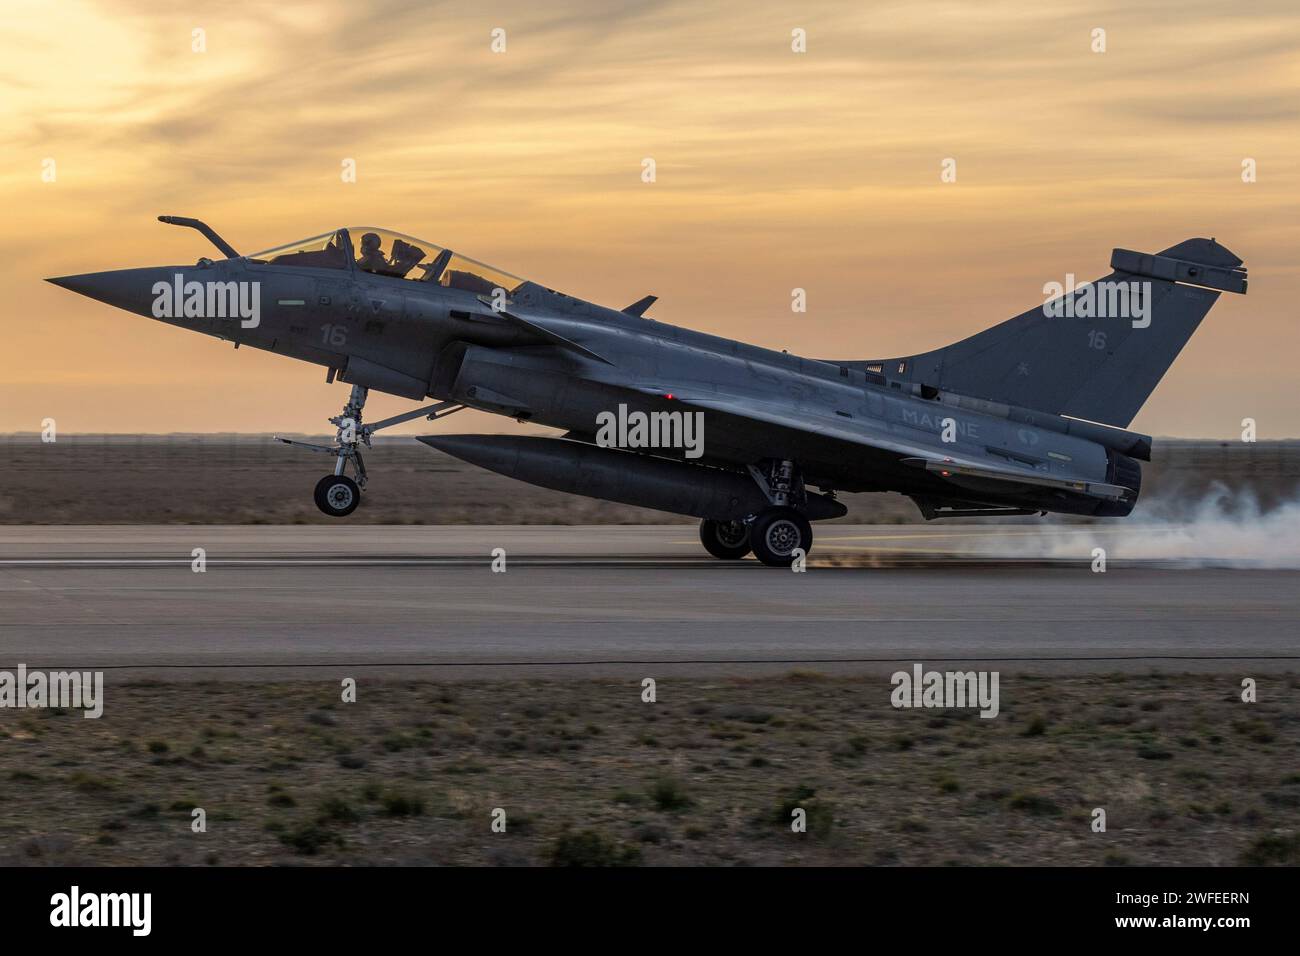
{"points": [[775, 169]]}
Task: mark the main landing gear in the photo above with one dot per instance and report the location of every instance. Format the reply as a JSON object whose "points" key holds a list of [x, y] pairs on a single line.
{"points": [[777, 534], [774, 535], [727, 540], [337, 495]]}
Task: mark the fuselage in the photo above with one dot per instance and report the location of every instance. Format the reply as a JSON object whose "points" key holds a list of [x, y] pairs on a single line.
{"points": [[418, 339]]}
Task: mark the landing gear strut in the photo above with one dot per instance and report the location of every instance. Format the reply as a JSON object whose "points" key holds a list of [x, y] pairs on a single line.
{"points": [[337, 495]]}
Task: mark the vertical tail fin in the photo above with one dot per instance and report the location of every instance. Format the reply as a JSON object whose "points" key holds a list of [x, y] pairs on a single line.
{"points": [[1096, 352]]}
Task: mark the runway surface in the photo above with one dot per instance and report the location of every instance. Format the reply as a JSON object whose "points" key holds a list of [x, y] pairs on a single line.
{"points": [[630, 601]]}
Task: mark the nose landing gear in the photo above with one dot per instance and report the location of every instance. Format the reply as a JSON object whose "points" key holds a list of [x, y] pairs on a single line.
{"points": [[337, 495]]}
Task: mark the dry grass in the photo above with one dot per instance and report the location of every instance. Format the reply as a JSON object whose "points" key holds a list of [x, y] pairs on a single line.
{"points": [[588, 773]]}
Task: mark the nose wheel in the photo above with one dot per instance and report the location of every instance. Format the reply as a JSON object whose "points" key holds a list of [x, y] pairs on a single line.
{"points": [[337, 495]]}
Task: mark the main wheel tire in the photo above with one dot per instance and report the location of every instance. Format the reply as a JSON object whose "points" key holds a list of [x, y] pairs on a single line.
{"points": [[337, 495], [777, 533], [727, 540]]}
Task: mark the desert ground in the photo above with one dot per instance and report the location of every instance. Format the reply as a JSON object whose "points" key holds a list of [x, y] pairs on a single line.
{"points": [[584, 770], [587, 773]]}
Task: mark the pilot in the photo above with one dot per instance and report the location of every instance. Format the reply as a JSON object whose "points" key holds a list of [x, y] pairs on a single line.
{"points": [[372, 256]]}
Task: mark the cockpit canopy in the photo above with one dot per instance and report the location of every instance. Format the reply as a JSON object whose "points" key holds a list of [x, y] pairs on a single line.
{"points": [[387, 253]]}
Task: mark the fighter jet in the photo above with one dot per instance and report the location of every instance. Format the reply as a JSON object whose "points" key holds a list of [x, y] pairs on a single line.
{"points": [[1027, 417]]}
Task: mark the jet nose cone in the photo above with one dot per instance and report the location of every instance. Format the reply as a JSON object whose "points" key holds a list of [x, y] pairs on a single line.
{"points": [[80, 283], [104, 286], [130, 289]]}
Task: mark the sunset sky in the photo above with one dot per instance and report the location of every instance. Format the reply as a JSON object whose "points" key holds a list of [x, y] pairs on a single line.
{"points": [[775, 170]]}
